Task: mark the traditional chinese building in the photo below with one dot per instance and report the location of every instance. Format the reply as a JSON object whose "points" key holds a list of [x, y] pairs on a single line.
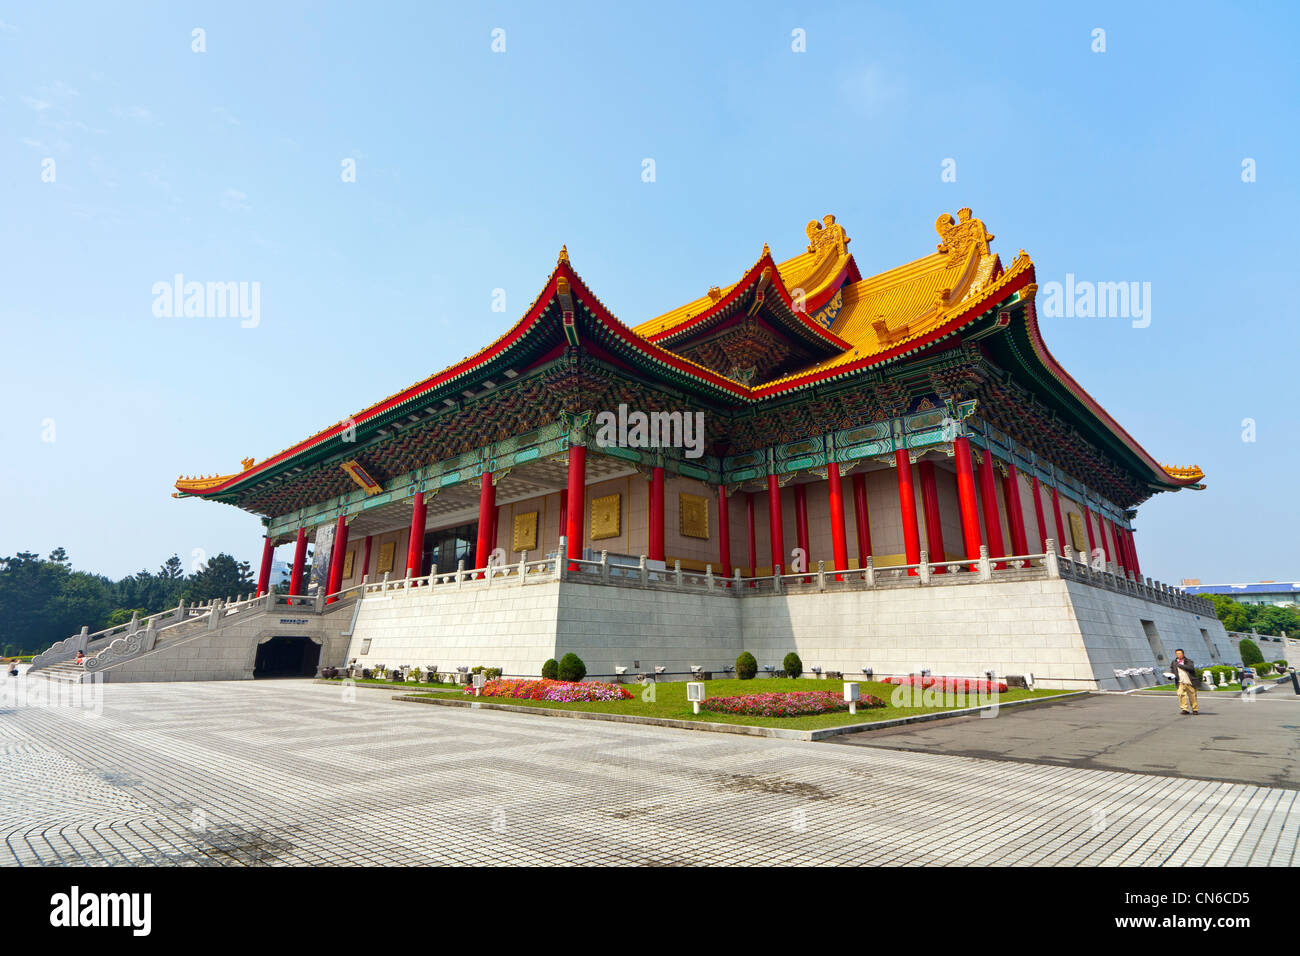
{"points": [[904, 420]]}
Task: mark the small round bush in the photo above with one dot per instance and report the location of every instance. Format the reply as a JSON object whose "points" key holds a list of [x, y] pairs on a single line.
{"points": [[551, 670], [792, 666], [746, 666], [572, 667]]}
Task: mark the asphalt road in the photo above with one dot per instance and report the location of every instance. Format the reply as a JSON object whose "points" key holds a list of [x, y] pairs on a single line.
{"points": [[1235, 740]]}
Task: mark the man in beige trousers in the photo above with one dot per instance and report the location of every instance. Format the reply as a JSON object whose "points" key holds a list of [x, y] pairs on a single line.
{"points": [[1185, 673]]}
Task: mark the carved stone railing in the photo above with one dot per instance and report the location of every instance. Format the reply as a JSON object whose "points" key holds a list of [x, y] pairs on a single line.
{"points": [[124, 641], [923, 574]]}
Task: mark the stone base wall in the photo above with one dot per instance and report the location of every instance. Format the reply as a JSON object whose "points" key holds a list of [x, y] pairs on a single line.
{"points": [[1068, 634], [510, 627]]}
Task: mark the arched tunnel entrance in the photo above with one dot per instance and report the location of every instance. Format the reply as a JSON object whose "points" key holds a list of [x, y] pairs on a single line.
{"points": [[287, 657]]}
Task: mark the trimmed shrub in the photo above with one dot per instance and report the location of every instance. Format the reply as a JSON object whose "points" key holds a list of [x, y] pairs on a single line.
{"points": [[1250, 653], [792, 666], [1281, 666], [572, 668], [746, 666], [551, 670], [1218, 669]]}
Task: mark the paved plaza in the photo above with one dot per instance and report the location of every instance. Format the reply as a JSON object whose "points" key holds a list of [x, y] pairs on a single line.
{"points": [[292, 773], [1235, 739]]}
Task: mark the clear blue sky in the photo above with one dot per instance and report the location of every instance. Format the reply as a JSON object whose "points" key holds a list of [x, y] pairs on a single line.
{"points": [[473, 167]]}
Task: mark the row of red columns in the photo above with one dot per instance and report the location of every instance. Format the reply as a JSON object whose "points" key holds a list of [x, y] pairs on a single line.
{"points": [[572, 501]]}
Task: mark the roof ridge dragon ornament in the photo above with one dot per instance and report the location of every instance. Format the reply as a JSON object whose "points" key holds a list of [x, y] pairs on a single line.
{"points": [[956, 238], [827, 234]]}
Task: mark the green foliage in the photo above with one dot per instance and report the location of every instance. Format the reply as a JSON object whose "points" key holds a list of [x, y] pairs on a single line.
{"points": [[46, 600], [1218, 669], [551, 669], [572, 667], [222, 577], [746, 666], [1264, 618], [792, 666], [1250, 653]]}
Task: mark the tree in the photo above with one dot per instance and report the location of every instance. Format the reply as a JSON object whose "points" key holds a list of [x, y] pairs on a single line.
{"points": [[1250, 653], [222, 577]]}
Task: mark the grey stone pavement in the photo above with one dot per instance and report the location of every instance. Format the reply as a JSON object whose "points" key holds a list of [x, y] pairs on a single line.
{"points": [[1234, 739], [292, 773]]}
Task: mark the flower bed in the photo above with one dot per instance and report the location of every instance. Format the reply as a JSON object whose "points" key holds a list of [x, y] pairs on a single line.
{"points": [[559, 691], [793, 704], [959, 685]]}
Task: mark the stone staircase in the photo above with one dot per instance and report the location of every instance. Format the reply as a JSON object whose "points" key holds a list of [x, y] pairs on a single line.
{"points": [[167, 634], [66, 671]]}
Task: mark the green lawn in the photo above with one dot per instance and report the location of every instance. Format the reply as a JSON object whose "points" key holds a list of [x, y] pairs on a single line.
{"points": [[1235, 688], [389, 683], [670, 702]]}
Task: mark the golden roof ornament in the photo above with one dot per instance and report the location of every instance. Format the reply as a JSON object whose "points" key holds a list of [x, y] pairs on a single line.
{"points": [[958, 238], [564, 256], [715, 293], [827, 234], [247, 462]]}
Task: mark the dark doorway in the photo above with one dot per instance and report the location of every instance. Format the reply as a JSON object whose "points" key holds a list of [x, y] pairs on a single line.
{"points": [[287, 657], [447, 546]]}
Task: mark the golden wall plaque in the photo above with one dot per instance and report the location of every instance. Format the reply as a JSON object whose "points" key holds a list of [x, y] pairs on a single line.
{"points": [[525, 533], [1077, 535], [606, 513], [386, 554], [347, 564], [693, 511]]}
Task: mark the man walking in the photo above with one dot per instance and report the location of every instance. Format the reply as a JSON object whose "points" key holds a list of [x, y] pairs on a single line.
{"points": [[1185, 673]]}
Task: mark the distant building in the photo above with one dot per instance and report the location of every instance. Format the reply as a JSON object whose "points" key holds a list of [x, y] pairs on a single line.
{"points": [[1264, 592]]}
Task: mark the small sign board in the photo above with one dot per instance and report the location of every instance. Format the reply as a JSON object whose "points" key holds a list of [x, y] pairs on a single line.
{"points": [[695, 690], [852, 690]]}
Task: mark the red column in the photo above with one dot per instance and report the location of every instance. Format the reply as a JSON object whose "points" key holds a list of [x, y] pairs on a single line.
{"points": [[1039, 517], [337, 551], [970, 515], [1087, 523], [487, 520], [907, 506], [1120, 557], [749, 522], [930, 503], [801, 523], [839, 540], [264, 574], [1133, 549], [365, 560], [724, 532], [577, 491], [415, 546], [992, 520], [1015, 510], [299, 558], [657, 514], [862, 518], [776, 531], [1060, 524]]}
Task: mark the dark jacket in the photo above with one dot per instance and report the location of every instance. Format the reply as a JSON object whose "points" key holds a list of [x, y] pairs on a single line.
{"points": [[1186, 665]]}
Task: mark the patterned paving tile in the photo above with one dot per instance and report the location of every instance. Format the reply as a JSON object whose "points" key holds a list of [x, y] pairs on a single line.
{"points": [[288, 773]]}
